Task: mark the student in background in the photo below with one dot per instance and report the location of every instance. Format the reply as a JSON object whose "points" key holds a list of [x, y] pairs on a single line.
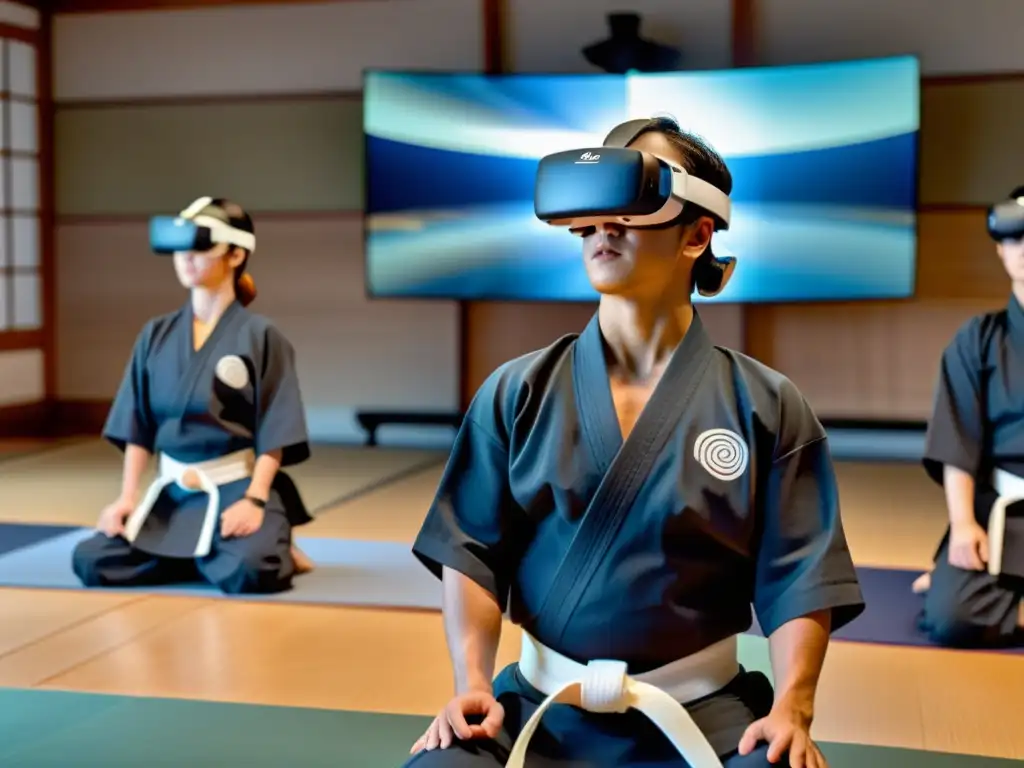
{"points": [[975, 451], [211, 391]]}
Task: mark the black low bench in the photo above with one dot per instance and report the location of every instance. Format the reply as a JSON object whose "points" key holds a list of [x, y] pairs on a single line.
{"points": [[371, 421]]}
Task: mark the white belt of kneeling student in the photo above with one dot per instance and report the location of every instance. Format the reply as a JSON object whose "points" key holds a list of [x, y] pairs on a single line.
{"points": [[1010, 488], [604, 686], [201, 477]]}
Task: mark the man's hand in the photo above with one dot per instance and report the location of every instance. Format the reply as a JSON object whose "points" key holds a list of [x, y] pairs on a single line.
{"points": [[113, 517], [242, 518], [451, 722], [968, 546], [786, 728]]}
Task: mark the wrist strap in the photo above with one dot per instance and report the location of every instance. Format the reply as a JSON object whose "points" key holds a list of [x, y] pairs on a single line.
{"points": [[258, 502]]}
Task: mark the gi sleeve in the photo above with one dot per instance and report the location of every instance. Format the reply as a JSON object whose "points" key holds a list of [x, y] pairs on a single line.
{"points": [[130, 421], [956, 430], [803, 561], [281, 418], [470, 524]]}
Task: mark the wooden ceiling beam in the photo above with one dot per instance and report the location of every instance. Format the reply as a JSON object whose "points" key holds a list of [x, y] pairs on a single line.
{"points": [[105, 6]]}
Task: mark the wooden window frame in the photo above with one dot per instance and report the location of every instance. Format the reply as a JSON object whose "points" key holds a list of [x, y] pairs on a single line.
{"points": [[43, 337]]}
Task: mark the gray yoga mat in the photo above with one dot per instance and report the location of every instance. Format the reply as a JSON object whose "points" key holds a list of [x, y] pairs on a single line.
{"points": [[359, 573]]}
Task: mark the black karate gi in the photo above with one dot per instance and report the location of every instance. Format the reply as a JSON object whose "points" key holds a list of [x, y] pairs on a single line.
{"points": [[978, 426], [172, 401], [737, 505]]}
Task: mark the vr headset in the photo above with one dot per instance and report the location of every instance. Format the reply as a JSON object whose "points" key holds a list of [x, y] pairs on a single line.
{"points": [[1006, 219], [585, 188], [191, 231]]}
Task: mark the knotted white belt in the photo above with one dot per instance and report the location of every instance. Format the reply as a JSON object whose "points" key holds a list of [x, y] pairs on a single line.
{"points": [[604, 686], [1010, 489], [205, 477]]}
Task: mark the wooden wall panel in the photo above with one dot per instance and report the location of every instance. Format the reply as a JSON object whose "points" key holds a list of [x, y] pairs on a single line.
{"points": [[878, 360], [284, 48], [871, 361], [301, 154], [22, 374], [20, 15], [971, 151], [956, 258], [951, 37]]}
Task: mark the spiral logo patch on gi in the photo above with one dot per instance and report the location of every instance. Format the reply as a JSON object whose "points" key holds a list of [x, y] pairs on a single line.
{"points": [[232, 370], [722, 453]]}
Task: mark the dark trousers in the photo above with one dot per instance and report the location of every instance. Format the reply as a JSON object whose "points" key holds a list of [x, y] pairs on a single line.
{"points": [[568, 737], [258, 563], [965, 609]]}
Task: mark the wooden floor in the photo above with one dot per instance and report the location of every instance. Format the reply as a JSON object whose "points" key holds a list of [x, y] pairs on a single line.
{"points": [[336, 658]]}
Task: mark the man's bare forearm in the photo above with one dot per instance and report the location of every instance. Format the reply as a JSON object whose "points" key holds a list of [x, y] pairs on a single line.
{"points": [[798, 653], [135, 460], [263, 475], [959, 488], [472, 626]]}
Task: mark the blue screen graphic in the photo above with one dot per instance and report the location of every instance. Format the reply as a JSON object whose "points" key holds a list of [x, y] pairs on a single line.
{"points": [[823, 157]]}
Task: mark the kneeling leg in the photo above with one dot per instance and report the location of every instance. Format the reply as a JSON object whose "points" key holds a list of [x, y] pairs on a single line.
{"points": [[756, 759], [104, 561], [468, 754], [969, 608], [258, 563]]}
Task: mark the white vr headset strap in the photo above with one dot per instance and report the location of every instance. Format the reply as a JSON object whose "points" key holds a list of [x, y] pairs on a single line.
{"points": [[223, 233], [196, 207], [219, 231], [690, 189]]}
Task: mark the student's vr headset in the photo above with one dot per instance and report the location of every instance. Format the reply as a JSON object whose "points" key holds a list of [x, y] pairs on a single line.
{"points": [[1006, 219], [585, 188], [192, 231]]}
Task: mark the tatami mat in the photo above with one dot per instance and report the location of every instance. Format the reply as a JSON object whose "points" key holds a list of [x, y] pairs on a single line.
{"points": [[348, 572], [71, 484], [336, 658], [44, 728], [392, 512]]}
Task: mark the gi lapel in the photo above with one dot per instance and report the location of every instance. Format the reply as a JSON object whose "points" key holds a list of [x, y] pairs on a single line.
{"points": [[628, 469], [596, 409], [197, 361]]}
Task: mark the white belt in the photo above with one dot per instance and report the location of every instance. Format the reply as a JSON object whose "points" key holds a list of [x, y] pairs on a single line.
{"points": [[604, 686], [205, 477], [1010, 489]]}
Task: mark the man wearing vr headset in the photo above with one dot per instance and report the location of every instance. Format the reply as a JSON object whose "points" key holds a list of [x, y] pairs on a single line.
{"points": [[211, 390], [975, 450], [626, 494]]}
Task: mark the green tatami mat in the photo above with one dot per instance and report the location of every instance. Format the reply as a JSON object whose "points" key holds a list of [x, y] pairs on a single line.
{"points": [[67, 730]]}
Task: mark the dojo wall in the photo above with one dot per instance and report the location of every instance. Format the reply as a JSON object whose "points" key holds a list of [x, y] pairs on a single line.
{"points": [[259, 102]]}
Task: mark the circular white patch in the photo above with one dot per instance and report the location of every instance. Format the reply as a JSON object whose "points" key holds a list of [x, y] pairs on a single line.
{"points": [[722, 453], [232, 370]]}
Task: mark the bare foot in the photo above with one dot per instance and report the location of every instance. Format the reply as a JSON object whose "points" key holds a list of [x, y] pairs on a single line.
{"points": [[302, 562], [922, 583]]}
